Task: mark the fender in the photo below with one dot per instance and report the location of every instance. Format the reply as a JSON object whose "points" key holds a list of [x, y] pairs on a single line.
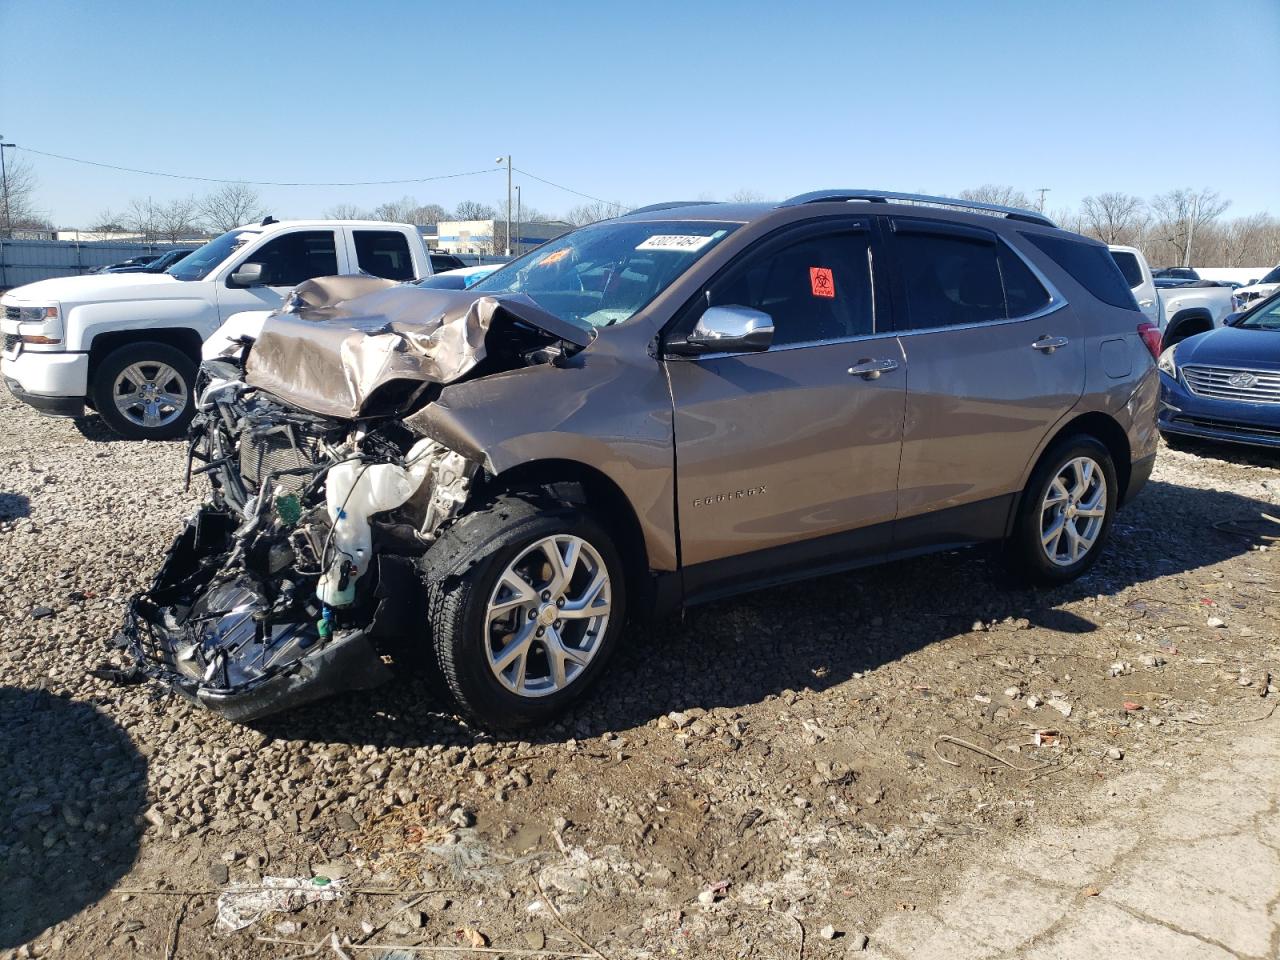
{"points": [[84, 323]]}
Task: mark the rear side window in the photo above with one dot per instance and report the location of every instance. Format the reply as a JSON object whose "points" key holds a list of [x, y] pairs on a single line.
{"points": [[384, 253], [815, 289], [1129, 267], [1091, 266], [1023, 293]]}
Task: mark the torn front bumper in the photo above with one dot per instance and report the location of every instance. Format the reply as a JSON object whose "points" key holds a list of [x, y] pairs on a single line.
{"points": [[245, 646]]}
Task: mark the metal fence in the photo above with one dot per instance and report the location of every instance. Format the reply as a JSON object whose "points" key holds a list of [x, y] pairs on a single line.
{"points": [[26, 261]]}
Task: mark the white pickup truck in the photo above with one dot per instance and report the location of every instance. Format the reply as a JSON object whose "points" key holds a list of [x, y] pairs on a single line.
{"points": [[128, 344], [1178, 312]]}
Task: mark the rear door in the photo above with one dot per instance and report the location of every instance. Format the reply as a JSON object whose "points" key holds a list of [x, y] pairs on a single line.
{"points": [[287, 259], [787, 456], [994, 359]]}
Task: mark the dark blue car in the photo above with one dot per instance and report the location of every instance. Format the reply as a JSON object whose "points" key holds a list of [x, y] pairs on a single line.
{"points": [[1225, 384]]}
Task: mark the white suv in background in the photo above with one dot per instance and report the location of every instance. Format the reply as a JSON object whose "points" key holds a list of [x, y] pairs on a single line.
{"points": [[128, 344]]}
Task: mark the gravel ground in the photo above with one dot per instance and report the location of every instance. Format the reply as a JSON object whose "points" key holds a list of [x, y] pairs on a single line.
{"points": [[745, 778]]}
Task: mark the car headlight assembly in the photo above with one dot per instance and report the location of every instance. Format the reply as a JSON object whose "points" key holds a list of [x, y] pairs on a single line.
{"points": [[1168, 363], [37, 314]]}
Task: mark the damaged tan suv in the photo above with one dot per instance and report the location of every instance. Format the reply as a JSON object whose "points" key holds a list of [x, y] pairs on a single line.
{"points": [[679, 404]]}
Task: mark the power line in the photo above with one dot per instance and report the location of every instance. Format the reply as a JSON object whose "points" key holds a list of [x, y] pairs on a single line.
{"points": [[559, 186], [268, 183]]}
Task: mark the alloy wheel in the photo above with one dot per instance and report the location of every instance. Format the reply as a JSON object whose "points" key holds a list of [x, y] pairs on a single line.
{"points": [[547, 616], [150, 394], [1073, 511]]}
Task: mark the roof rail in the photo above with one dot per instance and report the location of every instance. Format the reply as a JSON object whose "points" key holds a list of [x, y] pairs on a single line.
{"points": [[886, 196], [669, 205]]}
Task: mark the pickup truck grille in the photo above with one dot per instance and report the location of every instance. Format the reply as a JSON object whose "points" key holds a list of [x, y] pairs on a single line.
{"points": [[10, 341], [1234, 383], [12, 313]]}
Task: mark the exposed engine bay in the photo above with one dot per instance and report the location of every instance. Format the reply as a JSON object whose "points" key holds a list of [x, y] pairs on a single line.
{"points": [[297, 577]]}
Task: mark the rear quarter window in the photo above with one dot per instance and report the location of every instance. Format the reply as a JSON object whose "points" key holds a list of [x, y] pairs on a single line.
{"points": [[1129, 266], [1091, 266]]}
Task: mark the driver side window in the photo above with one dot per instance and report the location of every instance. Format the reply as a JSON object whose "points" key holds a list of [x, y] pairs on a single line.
{"points": [[290, 259], [815, 289]]}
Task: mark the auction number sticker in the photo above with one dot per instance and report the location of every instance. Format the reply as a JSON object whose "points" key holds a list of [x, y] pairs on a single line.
{"points": [[680, 242]]}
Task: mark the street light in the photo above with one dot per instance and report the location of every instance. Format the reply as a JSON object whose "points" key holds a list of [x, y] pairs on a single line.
{"points": [[4, 177], [507, 161]]}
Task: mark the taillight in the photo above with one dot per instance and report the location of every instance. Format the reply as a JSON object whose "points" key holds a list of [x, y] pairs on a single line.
{"points": [[1150, 335]]}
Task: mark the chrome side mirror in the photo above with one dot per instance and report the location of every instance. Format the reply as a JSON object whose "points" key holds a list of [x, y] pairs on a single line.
{"points": [[246, 275], [729, 329]]}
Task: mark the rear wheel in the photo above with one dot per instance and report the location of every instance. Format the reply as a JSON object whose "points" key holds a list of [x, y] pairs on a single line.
{"points": [[1065, 513], [526, 599], [144, 391]]}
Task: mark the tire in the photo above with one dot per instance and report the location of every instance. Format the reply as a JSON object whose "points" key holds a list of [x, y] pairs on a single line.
{"points": [[1027, 550], [462, 573], [127, 372]]}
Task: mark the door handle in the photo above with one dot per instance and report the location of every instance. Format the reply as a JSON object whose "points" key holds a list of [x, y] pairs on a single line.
{"points": [[1145, 302], [1048, 344], [871, 369]]}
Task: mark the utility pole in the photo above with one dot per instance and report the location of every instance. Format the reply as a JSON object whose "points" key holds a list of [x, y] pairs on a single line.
{"points": [[1043, 191], [507, 160], [518, 219], [4, 176]]}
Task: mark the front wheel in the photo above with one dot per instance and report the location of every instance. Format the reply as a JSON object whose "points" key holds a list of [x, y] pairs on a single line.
{"points": [[144, 391], [526, 600], [1065, 513]]}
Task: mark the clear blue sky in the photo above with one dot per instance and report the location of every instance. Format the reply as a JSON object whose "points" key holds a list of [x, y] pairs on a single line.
{"points": [[643, 102]]}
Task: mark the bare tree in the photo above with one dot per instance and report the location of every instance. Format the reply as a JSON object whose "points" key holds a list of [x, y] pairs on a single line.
{"points": [[231, 206], [1184, 212], [1002, 194], [408, 210], [175, 220], [346, 211], [428, 214], [474, 210], [142, 217], [108, 221], [19, 198], [1112, 217], [594, 212]]}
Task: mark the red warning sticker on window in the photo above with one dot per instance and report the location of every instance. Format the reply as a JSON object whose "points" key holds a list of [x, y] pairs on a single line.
{"points": [[821, 282]]}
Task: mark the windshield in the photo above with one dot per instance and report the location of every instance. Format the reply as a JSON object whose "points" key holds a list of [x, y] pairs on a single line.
{"points": [[201, 262], [605, 273], [1272, 277], [1267, 317]]}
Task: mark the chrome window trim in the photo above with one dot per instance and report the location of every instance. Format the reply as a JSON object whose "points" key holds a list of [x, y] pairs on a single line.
{"points": [[1056, 300], [881, 335]]}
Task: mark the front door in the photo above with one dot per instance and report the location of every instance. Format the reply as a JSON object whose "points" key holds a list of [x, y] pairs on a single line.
{"points": [[287, 260], [994, 360], [789, 457]]}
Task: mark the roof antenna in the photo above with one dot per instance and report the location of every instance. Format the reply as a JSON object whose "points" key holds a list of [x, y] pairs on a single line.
{"points": [[268, 220]]}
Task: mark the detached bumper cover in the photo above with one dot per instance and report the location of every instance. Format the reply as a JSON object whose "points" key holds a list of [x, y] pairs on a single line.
{"points": [[228, 645]]}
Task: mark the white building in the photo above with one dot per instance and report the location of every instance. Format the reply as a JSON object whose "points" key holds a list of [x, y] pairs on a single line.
{"points": [[489, 236]]}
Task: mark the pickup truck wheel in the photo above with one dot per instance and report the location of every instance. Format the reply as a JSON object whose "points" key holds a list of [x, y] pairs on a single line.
{"points": [[526, 599], [1065, 512], [144, 391]]}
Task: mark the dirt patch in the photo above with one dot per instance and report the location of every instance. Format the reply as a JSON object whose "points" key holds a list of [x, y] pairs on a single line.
{"points": [[810, 755]]}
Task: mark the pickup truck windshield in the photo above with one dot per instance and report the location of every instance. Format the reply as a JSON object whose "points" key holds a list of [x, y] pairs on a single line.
{"points": [[201, 262], [604, 274]]}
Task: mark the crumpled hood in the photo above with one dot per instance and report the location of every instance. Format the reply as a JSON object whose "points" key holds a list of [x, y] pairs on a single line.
{"points": [[337, 343], [94, 287]]}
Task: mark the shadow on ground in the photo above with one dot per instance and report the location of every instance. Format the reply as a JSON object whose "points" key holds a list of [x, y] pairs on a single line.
{"points": [[71, 790], [817, 633], [13, 506]]}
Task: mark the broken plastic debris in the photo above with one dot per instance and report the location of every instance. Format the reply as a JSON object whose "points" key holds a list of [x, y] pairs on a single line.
{"points": [[244, 904]]}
